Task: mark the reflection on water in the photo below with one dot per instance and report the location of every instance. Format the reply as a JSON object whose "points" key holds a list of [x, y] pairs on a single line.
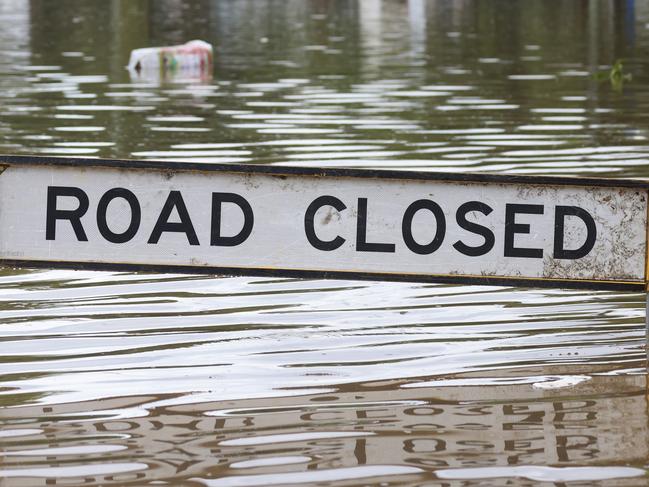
{"points": [[361, 432], [113, 378], [125, 377]]}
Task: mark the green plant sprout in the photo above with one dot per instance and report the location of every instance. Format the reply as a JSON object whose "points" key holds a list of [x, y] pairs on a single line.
{"points": [[616, 75]]}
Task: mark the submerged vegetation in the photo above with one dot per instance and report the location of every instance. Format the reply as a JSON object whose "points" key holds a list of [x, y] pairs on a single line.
{"points": [[615, 75]]}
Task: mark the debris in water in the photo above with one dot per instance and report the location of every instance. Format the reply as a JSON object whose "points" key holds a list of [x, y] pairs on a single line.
{"points": [[192, 61]]}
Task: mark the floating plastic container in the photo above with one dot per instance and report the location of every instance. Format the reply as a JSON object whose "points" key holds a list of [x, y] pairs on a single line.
{"points": [[192, 60]]}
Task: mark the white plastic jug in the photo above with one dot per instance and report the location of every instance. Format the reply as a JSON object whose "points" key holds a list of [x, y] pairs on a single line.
{"points": [[193, 59]]}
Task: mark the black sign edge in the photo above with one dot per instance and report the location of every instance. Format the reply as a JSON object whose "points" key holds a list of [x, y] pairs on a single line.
{"points": [[591, 285], [23, 160]]}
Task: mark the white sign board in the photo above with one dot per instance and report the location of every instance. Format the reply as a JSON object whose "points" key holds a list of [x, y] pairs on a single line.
{"points": [[259, 220]]}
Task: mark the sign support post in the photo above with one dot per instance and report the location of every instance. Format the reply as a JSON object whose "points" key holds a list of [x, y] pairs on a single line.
{"points": [[646, 314], [646, 310]]}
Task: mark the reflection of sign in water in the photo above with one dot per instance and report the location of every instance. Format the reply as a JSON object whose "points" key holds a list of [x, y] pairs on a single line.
{"points": [[418, 431], [103, 214]]}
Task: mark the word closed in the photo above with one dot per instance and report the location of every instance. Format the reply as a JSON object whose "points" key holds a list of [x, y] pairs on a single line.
{"points": [[314, 223]]}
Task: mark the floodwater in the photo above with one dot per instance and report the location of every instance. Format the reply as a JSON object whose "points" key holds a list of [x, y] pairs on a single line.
{"points": [[139, 379]]}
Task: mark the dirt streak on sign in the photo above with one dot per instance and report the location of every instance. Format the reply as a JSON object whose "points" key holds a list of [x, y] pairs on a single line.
{"points": [[301, 222]]}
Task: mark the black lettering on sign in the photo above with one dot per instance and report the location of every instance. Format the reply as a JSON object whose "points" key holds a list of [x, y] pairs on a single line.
{"points": [[309, 226], [512, 228], [216, 238], [174, 200], [136, 215], [362, 245], [440, 227], [73, 216], [561, 212], [484, 232]]}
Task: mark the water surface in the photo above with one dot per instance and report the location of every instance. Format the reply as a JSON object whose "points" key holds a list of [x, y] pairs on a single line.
{"points": [[118, 379]]}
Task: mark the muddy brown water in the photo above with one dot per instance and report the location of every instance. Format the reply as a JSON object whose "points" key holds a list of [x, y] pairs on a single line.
{"points": [[141, 379]]}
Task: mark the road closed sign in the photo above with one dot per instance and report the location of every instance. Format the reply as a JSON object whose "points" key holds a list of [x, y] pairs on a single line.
{"points": [[305, 222]]}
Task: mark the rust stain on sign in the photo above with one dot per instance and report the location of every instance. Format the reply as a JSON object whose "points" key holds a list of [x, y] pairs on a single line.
{"points": [[621, 220]]}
